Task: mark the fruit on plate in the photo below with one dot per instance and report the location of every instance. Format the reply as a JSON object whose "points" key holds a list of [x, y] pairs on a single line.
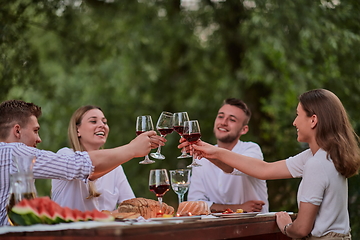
{"points": [[45, 211]]}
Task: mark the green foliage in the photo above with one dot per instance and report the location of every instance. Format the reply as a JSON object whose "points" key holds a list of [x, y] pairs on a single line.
{"points": [[143, 57]]}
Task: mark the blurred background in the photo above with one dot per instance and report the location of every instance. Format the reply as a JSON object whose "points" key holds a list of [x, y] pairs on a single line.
{"points": [[142, 57]]}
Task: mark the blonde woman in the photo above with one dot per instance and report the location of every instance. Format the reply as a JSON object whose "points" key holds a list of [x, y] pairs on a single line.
{"points": [[332, 157], [88, 130]]}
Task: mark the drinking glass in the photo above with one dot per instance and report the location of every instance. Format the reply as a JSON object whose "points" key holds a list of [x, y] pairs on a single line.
{"points": [[165, 126], [159, 183], [143, 124], [179, 119], [192, 134], [180, 182]]}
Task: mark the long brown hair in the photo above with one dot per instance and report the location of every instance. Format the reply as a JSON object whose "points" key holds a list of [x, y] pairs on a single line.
{"points": [[75, 122], [334, 132]]}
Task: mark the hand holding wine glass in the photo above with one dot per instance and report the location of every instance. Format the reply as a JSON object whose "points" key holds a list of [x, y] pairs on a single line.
{"points": [[159, 183], [144, 124], [180, 182], [178, 123], [192, 134], [165, 126]]}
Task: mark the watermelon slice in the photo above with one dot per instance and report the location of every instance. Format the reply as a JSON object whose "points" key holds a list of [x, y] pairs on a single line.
{"points": [[78, 215], [49, 211], [101, 217], [24, 214], [88, 216], [44, 210], [67, 214]]}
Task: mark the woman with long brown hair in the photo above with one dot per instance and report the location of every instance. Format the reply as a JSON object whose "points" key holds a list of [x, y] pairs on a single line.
{"points": [[332, 157], [87, 131]]}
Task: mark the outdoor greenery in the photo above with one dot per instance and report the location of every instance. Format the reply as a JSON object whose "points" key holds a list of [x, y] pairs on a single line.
{"points": [[142, 57]]}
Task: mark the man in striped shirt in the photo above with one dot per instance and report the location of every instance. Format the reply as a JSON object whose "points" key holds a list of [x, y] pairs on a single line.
{"points": [[19, 135]]}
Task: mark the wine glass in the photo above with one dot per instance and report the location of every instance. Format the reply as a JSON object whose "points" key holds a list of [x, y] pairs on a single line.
{"points": [[143, 124], [180, 181], [159, 183], [192, 134], [179, 119], [165, 126]]}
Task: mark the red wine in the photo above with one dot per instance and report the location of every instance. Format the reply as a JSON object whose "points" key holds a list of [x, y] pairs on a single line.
{"points": [[192, 137], [159, 190], [179, 129], [165, 131], [139, 132]]}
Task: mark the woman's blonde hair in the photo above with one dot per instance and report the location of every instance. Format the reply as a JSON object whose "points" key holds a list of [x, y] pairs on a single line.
{"points": [[334, 132], [74, 139]]}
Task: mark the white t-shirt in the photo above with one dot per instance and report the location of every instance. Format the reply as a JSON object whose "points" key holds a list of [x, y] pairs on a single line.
{"points": [[322, 185], [114, 188], [212, 185]]}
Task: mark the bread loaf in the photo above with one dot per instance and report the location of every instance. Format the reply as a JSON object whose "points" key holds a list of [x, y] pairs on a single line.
{"points": [[193, 208], [147, 208]]}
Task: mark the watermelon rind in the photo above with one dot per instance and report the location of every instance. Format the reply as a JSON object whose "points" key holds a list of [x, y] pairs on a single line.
{"points": [[67, 214], [23, 214], [44, 210]]}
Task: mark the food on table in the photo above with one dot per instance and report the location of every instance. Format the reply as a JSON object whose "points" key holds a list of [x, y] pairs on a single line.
{"points": [[44, 210], [228, 210], [188, 208], [123, 215], [147, 208]]}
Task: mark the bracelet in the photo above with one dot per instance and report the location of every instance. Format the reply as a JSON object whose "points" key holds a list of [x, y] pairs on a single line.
{"points": [[285, 227]]}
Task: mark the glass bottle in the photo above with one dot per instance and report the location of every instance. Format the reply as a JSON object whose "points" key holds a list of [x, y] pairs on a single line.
{"points": [[22, 184]]}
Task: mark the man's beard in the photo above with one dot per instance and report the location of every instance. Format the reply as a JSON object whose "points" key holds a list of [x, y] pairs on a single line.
{"points": [[229, 138]]}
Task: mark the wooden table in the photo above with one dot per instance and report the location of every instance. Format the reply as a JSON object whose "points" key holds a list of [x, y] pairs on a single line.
{"points": [[254, 228]]}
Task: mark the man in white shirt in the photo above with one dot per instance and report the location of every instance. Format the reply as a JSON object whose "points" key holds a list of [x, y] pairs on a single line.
{"points": [[236, 190], [19, 135]]}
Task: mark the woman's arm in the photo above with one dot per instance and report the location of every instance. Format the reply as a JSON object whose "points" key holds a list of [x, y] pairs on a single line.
{"points": [[251, 166], [303, 223]]}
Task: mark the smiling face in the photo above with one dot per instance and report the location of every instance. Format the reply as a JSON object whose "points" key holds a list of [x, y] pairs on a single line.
{"points": [[29, 134], [305, 125], [93, 129], [229, 125]]}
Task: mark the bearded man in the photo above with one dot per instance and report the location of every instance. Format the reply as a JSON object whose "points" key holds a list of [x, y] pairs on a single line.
{"points": [[235, 190]]}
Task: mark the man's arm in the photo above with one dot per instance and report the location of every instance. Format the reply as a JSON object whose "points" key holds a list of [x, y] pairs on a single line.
{"points": [[105, 160], [78, 166], [249, 206]]}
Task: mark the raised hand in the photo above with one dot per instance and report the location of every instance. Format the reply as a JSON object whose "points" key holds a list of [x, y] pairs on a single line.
{"points": [[142, 144], [201, 149]]}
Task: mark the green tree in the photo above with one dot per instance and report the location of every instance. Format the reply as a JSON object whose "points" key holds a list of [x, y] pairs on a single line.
{"points": [[143, 57]]}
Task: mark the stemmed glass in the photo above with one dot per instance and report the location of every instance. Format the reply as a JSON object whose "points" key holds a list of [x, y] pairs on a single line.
{"points": [[180, 181], [159, 183], [192, 134], [179, 119], [143, 124], [165, 126]]}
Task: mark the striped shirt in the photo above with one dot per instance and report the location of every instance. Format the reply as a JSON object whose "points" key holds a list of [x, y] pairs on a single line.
{"points": [[48, 165]]}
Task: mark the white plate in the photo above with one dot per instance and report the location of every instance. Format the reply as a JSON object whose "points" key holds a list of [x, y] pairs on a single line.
{"points": [[270, 214], [236, 215], [185, 218]]}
